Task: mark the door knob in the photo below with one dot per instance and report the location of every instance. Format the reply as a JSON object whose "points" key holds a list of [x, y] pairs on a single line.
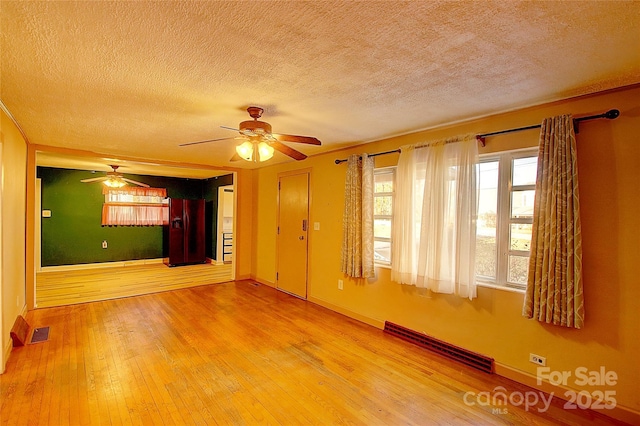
{"points": [[301, 237]]}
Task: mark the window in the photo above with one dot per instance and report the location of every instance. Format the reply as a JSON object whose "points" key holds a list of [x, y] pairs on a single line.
{"points": [[506, 185], [383, 190], [135, 207]]}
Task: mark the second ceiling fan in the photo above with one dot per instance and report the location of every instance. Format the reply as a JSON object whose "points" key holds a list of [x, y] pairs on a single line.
{"points": [[260, 142]]}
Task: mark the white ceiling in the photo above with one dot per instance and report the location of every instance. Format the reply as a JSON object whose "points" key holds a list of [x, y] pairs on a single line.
{"points": [[136, 79]]}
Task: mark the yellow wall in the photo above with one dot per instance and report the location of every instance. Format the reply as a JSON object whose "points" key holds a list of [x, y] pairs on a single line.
{"points": [[492, 324], [13, 192], [244, 230]]}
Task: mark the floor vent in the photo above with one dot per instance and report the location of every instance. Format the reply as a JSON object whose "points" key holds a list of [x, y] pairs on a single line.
{"points": [[40, 335], [455, 353]]}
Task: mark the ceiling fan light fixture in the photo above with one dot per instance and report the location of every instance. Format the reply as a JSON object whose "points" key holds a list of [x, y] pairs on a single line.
{"points": [[265, 151], [245, 150], [255, 151], [114, 182]]}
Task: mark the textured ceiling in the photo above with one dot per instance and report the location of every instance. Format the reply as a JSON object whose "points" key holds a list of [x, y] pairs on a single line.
{"points": [[137, 79]]}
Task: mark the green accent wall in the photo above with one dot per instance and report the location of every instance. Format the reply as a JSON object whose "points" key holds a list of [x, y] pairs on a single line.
{"points": [[74, 234]]}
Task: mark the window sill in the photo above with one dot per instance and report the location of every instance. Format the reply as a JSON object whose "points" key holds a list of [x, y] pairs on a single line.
{"points": [[382, 265], [499, 287]]}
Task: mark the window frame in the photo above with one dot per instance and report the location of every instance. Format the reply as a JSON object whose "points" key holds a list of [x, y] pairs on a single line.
{"points": [[385, 170], [504, 220]]}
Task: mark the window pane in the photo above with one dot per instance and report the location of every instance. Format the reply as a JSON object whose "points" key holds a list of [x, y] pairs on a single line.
{"points": [[522, 204], [486, 256], [518, 269], [383, 182], [486, 248], [520, 238], [382, 228], [382, 205], [382, 251], [525, 170]]}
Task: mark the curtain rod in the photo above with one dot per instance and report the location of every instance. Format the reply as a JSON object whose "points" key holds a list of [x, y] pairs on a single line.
{"points": [[609, 115], [371, 155]]}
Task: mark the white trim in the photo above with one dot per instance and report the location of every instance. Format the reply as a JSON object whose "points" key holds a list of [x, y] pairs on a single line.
{"points": [[82, 266], [37, 243], [377, 323], [3, 354], [500, 287]]}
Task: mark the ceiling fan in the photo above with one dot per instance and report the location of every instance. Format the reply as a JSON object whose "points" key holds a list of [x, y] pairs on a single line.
{"points": [[259, 142], [114, 179]]}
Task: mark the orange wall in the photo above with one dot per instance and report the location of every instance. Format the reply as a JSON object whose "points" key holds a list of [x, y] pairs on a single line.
{"points": [[12, 229], [492, 324]]}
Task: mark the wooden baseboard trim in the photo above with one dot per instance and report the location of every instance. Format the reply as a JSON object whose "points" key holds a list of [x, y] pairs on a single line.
{"points": [[6, 352], [81, 266], [619, 412], [347, 312], [9, 345], [263, 282]]}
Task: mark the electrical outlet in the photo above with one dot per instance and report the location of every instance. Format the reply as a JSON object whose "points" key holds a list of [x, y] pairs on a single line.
{"points": [[104, 244], [340, 284], [537, 360]]}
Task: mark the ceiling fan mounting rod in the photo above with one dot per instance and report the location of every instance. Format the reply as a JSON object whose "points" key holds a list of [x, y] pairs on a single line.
{"points": [[255, 112]]}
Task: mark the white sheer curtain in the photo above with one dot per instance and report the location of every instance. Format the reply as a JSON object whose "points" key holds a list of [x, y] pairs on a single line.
{"points": [[434, 228], [357, 240]]}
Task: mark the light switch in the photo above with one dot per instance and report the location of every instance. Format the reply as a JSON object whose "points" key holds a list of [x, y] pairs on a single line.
{"points": [[316, 226], [46, 213]]}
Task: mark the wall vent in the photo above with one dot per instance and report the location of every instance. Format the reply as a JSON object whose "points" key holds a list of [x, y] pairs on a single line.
{"points": [[472, 359]]}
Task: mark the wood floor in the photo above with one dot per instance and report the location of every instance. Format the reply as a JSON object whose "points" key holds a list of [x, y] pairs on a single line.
{"points": [[89, 285], [240, 353]]}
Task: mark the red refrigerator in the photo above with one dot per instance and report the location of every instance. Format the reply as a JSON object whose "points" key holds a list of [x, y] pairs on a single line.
{"points": [[186, 232]]}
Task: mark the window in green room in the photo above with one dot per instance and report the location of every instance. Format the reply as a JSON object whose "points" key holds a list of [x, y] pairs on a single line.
{"points": [[383, 197]]}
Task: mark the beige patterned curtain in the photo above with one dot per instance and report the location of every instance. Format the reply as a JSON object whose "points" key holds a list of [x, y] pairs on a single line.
{"points": [[357, 239], [554, 288]]}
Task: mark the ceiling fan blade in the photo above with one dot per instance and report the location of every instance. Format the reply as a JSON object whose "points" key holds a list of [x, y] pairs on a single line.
{"points": [[229, 128], [207, 141], [296, 155], [94, 179], [299, 139], [235, 157], [135, 182]]}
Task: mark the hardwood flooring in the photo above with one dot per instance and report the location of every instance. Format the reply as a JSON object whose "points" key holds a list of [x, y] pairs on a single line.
{"points": [[241, 353], [89, 285]]}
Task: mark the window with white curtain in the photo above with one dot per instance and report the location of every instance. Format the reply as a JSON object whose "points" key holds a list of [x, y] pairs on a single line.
{"points": [[383, 198], [506, 183], [131, 206]]}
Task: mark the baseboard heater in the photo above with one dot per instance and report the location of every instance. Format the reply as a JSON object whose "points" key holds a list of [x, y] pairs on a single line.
{"points": [[472, 359]]}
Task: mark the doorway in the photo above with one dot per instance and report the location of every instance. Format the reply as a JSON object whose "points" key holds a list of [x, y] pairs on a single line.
{"points": [[293, 233], [224, 234]]}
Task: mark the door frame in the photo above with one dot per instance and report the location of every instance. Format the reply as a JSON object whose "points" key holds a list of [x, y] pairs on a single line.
{"points": [[220, 220], [306, 171]]}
